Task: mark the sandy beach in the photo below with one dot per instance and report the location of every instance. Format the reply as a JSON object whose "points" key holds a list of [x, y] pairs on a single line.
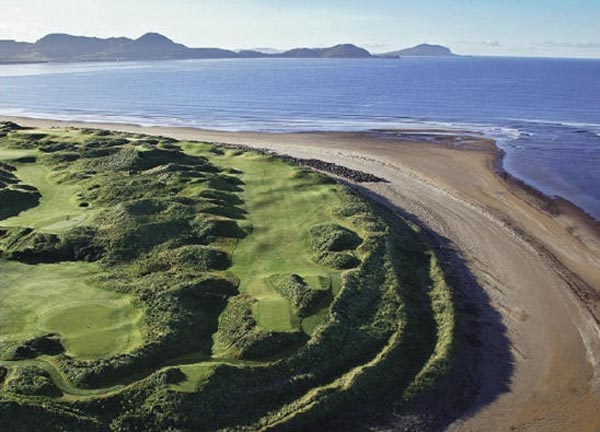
{"points": [[527, 268]]}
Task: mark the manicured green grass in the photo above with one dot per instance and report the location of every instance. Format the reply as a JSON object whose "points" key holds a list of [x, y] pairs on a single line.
{"points": [[195, 375], [281, 209], [12, 154], [311, 323], [62, 298], [59, 208]]}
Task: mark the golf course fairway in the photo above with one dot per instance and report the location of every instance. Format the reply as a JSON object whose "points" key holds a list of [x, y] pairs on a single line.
{"points": [[158, 285]]}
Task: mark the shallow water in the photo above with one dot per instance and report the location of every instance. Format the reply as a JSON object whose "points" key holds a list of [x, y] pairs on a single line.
{"points": [[545, 113]]}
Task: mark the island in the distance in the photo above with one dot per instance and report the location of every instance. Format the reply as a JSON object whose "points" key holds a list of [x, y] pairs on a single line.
{"points": [[422, 50], [154, 46]]}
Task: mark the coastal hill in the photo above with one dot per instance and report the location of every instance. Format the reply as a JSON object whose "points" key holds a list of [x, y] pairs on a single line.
{"points": [[157, 46], [154, 46], [338, 51], [67, 46], [422, 50]]}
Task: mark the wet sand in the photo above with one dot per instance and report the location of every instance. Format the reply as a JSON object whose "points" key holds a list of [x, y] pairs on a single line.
{"points": [[530, 327]]}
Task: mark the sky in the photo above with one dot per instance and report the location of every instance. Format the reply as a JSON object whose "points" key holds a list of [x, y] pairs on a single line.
{"points": [[551, 28]]}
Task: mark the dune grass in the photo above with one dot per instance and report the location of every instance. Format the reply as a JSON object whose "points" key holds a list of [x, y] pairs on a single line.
{"points": [[62, 298]]}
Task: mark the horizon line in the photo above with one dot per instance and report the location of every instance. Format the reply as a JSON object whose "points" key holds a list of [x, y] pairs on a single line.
{"points": [[373, 52]]}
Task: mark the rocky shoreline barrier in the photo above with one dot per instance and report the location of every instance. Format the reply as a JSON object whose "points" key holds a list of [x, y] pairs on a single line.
{"points": [[316, 164]]}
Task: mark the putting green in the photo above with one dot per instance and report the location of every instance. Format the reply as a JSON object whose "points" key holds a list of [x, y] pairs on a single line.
{"points": [[59, 208], [61, 298]]}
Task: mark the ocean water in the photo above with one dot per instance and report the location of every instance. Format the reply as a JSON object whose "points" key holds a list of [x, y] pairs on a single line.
{"points": [[545, 113]]}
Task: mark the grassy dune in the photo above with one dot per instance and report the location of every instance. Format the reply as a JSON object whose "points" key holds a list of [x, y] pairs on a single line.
{"points": [[153, 285]]}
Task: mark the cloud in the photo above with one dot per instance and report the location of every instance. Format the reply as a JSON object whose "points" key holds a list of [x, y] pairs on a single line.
{"points": [[579, 45], [484, 43], [375, 46], [491, 43]]}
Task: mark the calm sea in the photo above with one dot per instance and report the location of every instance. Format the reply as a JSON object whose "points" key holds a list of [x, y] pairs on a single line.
{"points": [[545, 113]]}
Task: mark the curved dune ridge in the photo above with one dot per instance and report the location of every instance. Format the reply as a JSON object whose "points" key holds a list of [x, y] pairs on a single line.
{"points": [[156, 284]]}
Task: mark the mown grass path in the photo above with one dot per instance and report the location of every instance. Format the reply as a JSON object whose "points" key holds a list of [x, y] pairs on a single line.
{"points": [[281, 208]]}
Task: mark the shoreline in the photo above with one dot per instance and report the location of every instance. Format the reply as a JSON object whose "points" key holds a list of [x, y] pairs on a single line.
{"points": [[530, 264], [555, 205]]}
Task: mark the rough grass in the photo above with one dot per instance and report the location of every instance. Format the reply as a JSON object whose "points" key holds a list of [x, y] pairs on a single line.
{"points": [[442, 305], [333, 238], [31, 381], [240, 337], [294, 288]]}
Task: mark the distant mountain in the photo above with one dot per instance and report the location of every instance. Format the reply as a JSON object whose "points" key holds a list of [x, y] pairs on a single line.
{"points": [[56, 47], [423, 50], [346, 51], [338, 51], [13, 49], [150, 46], [63, 46]]}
